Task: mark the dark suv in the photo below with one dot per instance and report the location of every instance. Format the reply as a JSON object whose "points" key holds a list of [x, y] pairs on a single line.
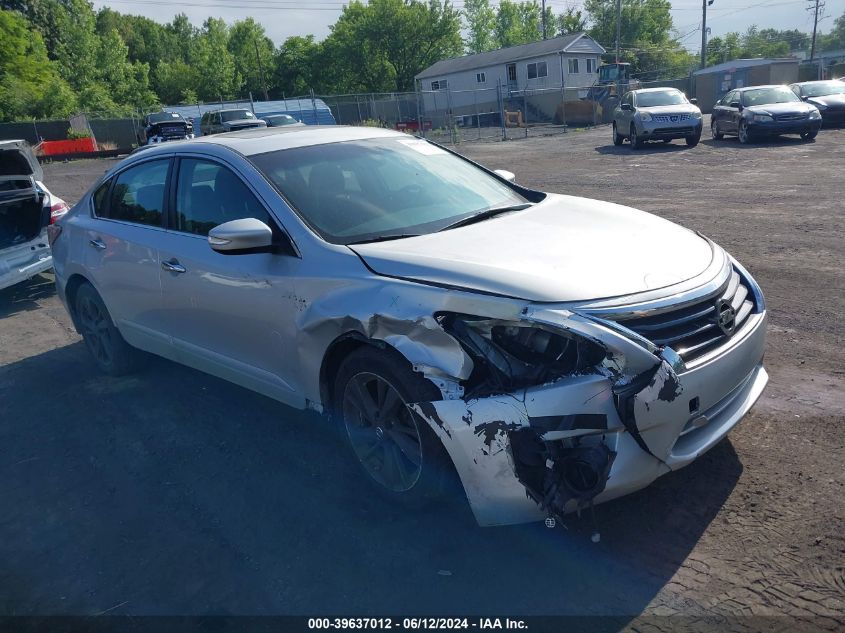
{"points": [[219, 121]]}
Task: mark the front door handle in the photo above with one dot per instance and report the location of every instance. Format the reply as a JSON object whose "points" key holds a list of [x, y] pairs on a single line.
{"points": [[173, 266], [98, 244]]}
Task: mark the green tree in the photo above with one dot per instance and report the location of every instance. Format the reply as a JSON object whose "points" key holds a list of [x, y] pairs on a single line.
{"points": [[382, 45], [480, 21], [219, 78], [646, 36], [295, 62], [30, 85], [571, 21], [253, 53], [518, 23]]}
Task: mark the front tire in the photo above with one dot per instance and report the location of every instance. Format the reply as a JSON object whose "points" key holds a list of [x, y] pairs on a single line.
{"points": [[744, 134], [809, 135], [636, 143], [692, 141], [617, 138], [111, 353], [397, 450]]}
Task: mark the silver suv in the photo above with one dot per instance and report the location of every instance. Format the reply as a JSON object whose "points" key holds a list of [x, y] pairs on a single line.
{"points": [[656, 114], [219, 121]]}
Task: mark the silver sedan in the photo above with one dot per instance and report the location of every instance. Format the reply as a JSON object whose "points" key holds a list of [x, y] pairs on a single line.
{"points": [[550, 351], [656, 114]]}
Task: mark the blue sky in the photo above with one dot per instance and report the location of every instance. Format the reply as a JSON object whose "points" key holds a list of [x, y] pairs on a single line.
{"points": [[283, 18]]}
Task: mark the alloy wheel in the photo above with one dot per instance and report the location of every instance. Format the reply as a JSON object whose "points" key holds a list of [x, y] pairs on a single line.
{"points": [[382, 431], [96, 330]]}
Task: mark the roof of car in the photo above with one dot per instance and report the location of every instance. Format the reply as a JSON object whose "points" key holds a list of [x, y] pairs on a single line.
{"points": [[815, 81], [747, 88], [664, 88], [260, 140]]}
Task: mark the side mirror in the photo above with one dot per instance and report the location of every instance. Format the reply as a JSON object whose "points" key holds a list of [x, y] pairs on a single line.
{"points": [[247, 235], [736, 104], [504, 173], [626, 106], [805, 98], [693, 101]]}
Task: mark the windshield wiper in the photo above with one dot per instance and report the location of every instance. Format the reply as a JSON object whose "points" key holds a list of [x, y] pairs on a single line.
{"points": [[486, 215], [384, 238]]}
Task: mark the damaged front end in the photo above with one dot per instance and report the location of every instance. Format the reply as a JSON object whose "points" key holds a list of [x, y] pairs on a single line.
{"points": [[562, 410]]}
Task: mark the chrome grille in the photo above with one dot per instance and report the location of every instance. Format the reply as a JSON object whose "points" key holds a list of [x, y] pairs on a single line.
{"points": [[670, 118], [700, 327], [790, 117]]}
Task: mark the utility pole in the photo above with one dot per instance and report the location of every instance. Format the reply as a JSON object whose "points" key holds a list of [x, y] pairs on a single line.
{"points": [[618, 27], [544, 18], [704, 5], [261, 71], [819, 6]]}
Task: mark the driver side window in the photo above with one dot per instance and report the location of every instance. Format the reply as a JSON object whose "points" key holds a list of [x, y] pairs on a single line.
{"points": [[209, 194]]}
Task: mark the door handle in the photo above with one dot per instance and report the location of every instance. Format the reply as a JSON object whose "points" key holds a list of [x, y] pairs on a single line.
{"points": [[173, 266], [98, 243]]}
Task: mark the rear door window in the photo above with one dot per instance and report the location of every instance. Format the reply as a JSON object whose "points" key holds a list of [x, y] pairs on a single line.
{"points": [[138, 194]]}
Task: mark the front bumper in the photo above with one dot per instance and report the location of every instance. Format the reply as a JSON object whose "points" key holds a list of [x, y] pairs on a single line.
{"points": [[662, 130], [678, 416], [784, 127]]}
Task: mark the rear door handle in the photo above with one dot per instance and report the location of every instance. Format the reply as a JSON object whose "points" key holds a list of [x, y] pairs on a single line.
{"points": [[173, 266], [98, 243]]}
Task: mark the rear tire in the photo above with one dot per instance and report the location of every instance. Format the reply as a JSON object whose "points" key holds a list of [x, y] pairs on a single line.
{"points": [[111, 353], [714, 131], [617, 138], [397, 450]]}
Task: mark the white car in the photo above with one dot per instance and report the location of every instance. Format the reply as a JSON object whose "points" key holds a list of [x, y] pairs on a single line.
{"points": [[555, 351], [26, 209]]}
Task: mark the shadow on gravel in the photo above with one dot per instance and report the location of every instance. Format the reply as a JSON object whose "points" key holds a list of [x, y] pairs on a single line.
{"points": [[648, 148], [24, 296], [774, 141], [172, 492]]}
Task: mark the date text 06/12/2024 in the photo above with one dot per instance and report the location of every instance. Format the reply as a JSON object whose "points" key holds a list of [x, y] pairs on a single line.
{"points": [[413, 624]]}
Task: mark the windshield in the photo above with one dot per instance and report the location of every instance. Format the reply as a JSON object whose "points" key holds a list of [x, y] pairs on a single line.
{"points": [[662, 98], [358, 190], [160, 117], [765, 96], [280, 119], [236, 115], [823, 88]]}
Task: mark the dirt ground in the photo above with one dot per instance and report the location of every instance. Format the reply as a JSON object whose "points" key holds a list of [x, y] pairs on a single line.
{"points": [[175, 493]]}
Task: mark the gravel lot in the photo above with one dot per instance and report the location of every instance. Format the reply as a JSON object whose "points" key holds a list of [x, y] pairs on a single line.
{"points": [[172, 492]]}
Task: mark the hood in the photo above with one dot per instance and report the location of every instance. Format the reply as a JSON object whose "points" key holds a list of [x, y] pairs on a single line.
{"points": [[793, 107], [562, 249], [835, 101], [17, 159], [244, 123]]}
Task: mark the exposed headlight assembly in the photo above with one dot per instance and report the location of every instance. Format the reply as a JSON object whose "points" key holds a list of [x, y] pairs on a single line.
{"points": [[510, 356], [815, 114], [696, 114], [645, 117], [762, 118]]}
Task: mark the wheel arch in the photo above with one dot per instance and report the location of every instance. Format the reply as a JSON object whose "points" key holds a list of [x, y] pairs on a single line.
{"points": [[72, 286]]}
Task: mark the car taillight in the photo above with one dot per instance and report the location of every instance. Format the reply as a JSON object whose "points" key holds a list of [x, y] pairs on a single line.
{"points": [[57, 210], [53, 232]]}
